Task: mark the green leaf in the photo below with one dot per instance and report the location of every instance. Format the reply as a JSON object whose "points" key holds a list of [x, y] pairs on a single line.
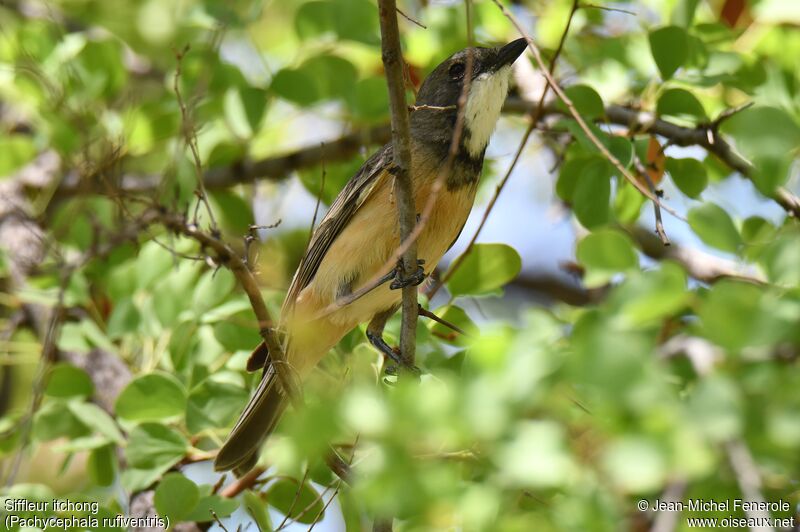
{"points": [[781, 260], [605, 252], [244, 109], [225, 152], [670, 48], [357, 20], [155, 446], [295, 85], [369, 100], [680, 103], [586, 100], [689, 175], [652, 295], [314, 18], [590, 201], [125, 319], [211, 289], [65, 380], [683, 13], [175, 497], [223, 507], [537, 456], [763, 132], [456, 316], [17, 151], [234, 212], [151, 264], [770, 138], [239, 332], [571, 170], [213, 405], [636, 464], [485, 269], [335, 77], [55, 420], [714, 227], [628, 203], [101, 465], [151, 397], [736, 314], [715, 406], [96, 418], [257, 509], [619, 146], [300, 502]]}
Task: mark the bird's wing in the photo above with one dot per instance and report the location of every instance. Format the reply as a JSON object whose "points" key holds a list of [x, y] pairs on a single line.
{"points": [[352, 196]]}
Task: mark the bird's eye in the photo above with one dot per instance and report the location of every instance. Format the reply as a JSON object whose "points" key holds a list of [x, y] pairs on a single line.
{"points": [[457, 70]]}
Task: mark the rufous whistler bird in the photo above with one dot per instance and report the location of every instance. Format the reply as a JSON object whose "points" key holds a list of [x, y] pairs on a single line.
{"points": [[358, 236]]}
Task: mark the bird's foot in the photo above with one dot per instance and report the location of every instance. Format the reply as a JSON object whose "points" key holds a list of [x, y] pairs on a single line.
{"points": [[393, 354], [401, 280]]}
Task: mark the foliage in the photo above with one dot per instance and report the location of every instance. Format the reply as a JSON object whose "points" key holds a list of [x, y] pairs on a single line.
{"points": [[561, 417]]}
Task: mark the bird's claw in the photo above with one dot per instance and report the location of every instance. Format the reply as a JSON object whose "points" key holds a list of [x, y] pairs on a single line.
{"points": [[391, 370], [415, 279]]}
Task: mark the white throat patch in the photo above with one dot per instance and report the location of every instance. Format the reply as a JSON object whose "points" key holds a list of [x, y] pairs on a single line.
{"points": [[487, 94]]}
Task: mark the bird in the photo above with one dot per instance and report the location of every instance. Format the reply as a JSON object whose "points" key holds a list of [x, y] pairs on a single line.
{"points": [[360, 233]]}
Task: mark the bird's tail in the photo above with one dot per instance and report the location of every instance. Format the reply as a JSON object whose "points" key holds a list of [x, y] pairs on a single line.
{"points": [[241, 450]]}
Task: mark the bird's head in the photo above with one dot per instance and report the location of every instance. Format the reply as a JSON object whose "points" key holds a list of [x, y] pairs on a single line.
{"points": [[488, 86]]}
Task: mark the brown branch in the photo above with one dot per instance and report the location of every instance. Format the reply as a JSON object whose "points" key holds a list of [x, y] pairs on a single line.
{"points": [[401, 142], [280, 167], [698, 264], [226, 255], [243, 483], [708, 139], [556, 288]]}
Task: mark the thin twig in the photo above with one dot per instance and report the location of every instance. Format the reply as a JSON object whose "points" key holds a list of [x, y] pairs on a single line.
{"points": [[579, 119], [727, 113], [413, 108], [319, 200], [430, 315], [640, 168], [606, 8], [191, 140], [217, 520], [418, 23], [49, 356], [294, 501]]}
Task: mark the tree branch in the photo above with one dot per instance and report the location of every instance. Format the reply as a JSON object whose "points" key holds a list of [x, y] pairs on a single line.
{"points": [[280, 167], [700, 265], [703, 135], [401, 141]]}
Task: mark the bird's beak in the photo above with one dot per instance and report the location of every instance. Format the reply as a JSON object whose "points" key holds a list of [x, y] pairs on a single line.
{"points": [[510, 52]]}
